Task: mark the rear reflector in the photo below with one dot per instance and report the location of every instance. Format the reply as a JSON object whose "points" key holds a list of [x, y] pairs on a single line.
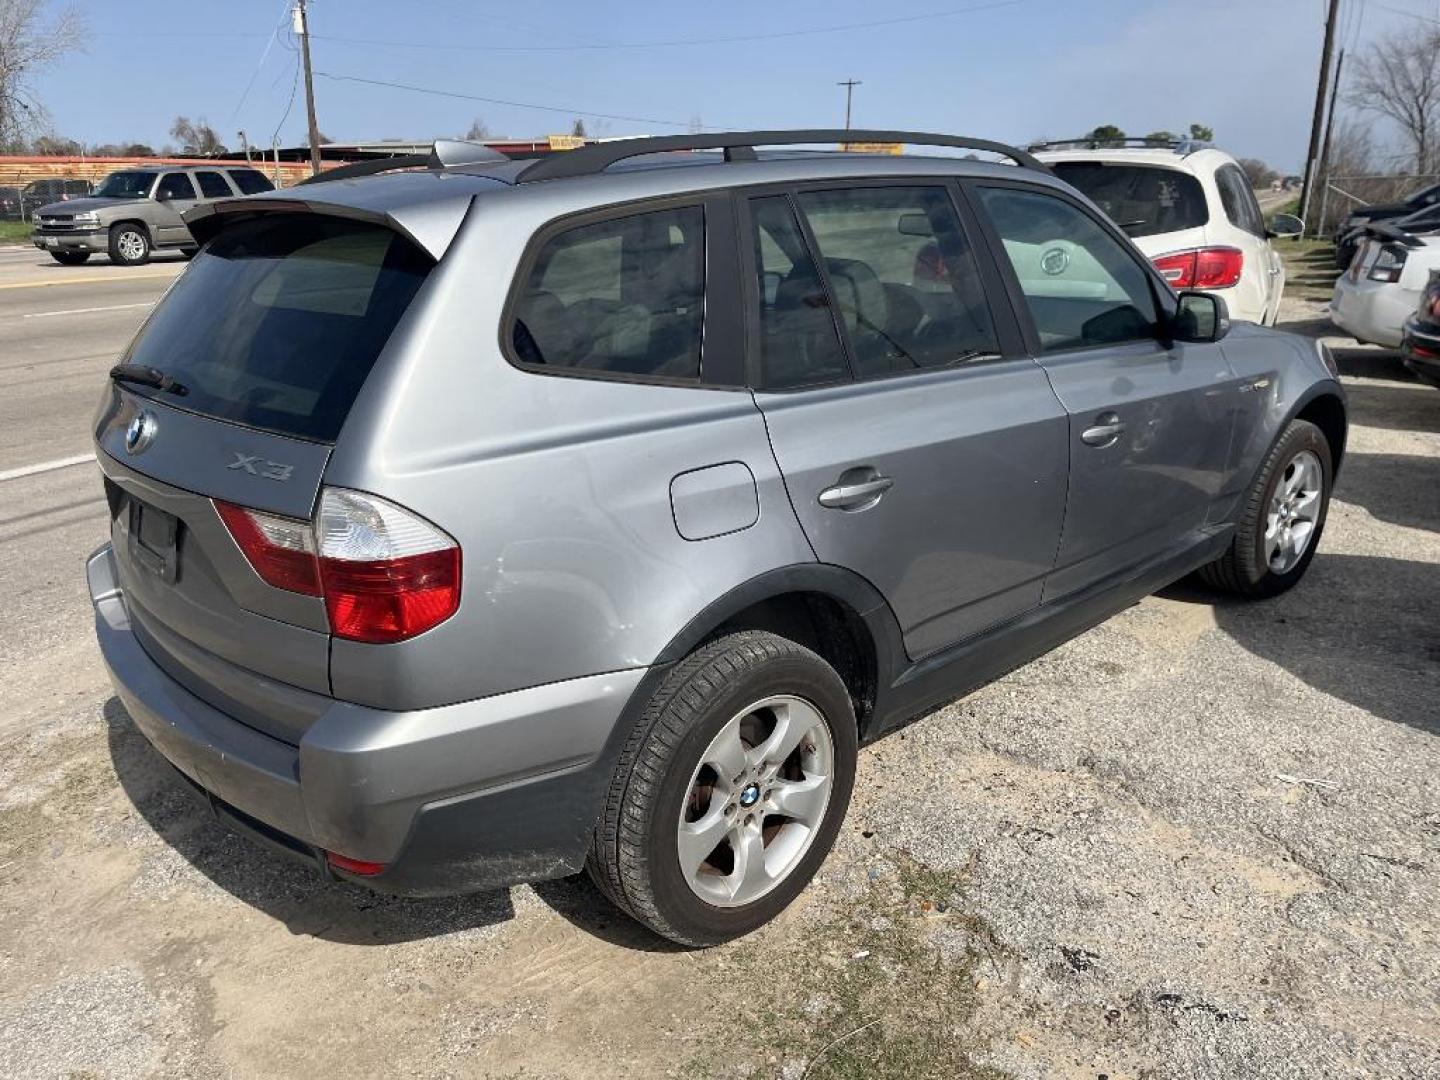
{"points": [[1204, 268], [385, 574], [354, 866]]}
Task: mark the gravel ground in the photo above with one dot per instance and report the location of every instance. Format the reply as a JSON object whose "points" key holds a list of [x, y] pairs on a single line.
{"points": [[1199, 841]]}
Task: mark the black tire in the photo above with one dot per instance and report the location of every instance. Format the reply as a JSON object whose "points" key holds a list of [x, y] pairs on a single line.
{"points": [[633, 854], [1244, 569], [70, 258], [135, 242]]}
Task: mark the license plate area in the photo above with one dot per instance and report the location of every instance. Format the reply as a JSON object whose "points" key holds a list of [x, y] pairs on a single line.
{"points": [[154, 540]]}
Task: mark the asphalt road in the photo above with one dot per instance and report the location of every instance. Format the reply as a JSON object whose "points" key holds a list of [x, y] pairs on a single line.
{"points": [[1201, 840]]}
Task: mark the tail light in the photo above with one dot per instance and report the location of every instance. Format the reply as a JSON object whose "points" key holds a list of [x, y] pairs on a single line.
{"points": [[385, 574], [1203, 268], [1388, 265]]}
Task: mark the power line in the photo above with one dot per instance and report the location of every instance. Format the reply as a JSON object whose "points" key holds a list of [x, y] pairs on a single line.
{"points": [[1408, 14], [568, 110], [676, 42]]}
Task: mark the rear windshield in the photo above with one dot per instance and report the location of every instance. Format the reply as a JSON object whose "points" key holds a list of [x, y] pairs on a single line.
{"points": [[278, 321], [1144, 200]]}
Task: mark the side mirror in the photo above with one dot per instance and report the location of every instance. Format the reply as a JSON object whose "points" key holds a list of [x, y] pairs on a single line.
{"points": [[1200, 317], [915, 224], [162, 196], [1286, 225]]}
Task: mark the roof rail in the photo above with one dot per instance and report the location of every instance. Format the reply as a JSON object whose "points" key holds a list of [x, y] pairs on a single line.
{"points": [[740, 146], [445, 154], [1181, 146]]}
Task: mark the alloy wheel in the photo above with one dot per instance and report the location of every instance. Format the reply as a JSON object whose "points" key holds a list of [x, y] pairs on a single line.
{"points": [[1293, 512]]}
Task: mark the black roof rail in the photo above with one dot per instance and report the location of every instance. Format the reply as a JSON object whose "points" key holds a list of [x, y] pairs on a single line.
{"points": [[1182, 145], [740, 146], [446, 153]]}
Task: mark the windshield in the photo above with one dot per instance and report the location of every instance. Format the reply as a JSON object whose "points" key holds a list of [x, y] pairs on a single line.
{"points": [[125, 185], [278, 321], [1144, 200]]}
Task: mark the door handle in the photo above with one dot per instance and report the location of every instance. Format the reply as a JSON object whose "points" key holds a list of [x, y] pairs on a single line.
{"points": [[1107, 428], [857, 489]]}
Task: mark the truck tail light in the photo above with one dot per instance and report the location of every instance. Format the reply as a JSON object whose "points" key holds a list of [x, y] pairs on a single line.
{"points": [[1389, 264], [1203, 268], [385, 573]]}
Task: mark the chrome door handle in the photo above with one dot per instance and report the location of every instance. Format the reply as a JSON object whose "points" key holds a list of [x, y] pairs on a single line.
{"points": [[857, 489], [1107, 428]]}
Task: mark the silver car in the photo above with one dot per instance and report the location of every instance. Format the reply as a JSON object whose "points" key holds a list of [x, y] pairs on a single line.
{"points": [[135, 212], [494, 520]]}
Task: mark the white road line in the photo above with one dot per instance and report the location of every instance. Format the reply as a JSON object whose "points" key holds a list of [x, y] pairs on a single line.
{"points": [[45, 466], [85, 310]]}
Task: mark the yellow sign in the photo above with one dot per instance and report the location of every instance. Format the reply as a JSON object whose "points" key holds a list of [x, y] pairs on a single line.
{"points": [[566, 142], [873, 148]]}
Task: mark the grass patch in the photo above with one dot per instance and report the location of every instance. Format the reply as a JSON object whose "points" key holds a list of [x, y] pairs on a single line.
{"points": [[1310, 270], [883, 989], [13, 232]]}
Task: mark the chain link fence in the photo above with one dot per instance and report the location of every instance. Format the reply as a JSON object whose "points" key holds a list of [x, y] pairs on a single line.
{"points": [[1340, 196]]}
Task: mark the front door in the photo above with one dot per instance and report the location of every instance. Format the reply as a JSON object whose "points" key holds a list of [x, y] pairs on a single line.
{"points": [[173, 196], [920, 447], [1150, 422]]}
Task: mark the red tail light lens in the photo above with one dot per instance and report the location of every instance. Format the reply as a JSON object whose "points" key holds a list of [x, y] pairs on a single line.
{"points": [[281, 550], [1204, 268], [359, 867], [385, 574]]}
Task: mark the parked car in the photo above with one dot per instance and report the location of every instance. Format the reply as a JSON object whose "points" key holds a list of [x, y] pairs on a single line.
{"points": [[1350, 231], [589, 512], [137, 211], [9, 203], [1420, 345], [1190, 208], [38, 193], [1382, 288]]}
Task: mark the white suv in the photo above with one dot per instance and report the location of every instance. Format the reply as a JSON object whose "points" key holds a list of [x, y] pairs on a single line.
{"points": [[1189, 208]]}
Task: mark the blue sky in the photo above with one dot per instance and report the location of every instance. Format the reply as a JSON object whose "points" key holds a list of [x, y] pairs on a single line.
{"points": [[1006, 69]]}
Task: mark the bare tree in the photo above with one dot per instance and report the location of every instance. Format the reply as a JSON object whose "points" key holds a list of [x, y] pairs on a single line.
{"points": [[27, 47], [1399, 77], [479, 131], [196, 138], [1258, 173]]}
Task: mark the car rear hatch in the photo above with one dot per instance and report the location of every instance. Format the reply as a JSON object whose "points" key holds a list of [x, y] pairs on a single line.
{"points": [[264, 343]]}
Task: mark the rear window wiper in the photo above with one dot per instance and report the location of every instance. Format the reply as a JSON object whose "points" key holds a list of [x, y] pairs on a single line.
{"points": [[147, 376]]}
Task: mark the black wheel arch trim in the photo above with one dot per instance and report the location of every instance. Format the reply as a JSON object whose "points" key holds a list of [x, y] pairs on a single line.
{"points": [[1326, 388]]}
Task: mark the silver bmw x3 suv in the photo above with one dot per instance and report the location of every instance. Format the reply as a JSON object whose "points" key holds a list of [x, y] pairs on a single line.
{"points": [[487, 520]]}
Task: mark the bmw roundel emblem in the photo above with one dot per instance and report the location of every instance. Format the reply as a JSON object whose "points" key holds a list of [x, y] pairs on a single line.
{"points": [[141, 432]]}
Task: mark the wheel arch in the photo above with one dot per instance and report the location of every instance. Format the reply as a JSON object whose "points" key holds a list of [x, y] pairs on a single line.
{"points": [[141, 222], [1325, 408]]}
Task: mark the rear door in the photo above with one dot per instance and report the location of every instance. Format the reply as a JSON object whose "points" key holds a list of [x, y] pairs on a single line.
{"points": [[920, 447], [271, 332], [1150, 423], [1262, 279]]}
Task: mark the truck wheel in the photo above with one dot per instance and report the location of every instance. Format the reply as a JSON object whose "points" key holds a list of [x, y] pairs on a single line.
{"points": [[129, 245], [70, 258], [1281, 519], [730, 791]]}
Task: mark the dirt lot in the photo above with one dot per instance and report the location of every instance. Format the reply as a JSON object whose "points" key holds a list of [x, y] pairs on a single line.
{"points": [[1200, 841]]}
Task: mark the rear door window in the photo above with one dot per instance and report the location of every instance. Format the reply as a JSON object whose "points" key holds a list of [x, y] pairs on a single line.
{"points": [[620, 297], [1144, 200], [278, 321], [250, 182], [902, 276], [1238, 200], [213, 186]]}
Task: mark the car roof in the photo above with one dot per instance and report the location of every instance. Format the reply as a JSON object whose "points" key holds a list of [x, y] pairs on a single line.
{"points": [[429, 204], [209, 166]]}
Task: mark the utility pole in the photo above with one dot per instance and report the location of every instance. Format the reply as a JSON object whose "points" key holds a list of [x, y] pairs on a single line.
{"points": [[1322, 174], [302, 28], [849, 85], [1321, 88]]}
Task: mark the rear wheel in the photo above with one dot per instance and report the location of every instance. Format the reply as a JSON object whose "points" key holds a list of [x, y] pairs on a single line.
{"points": [[1281, 519], [129, 245], [70, 258], [730, 792]]}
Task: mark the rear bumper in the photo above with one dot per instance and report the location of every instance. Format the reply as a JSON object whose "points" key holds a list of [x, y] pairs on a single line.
{"points": [[1372, 312], [1421, 351], [470, 796]]}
